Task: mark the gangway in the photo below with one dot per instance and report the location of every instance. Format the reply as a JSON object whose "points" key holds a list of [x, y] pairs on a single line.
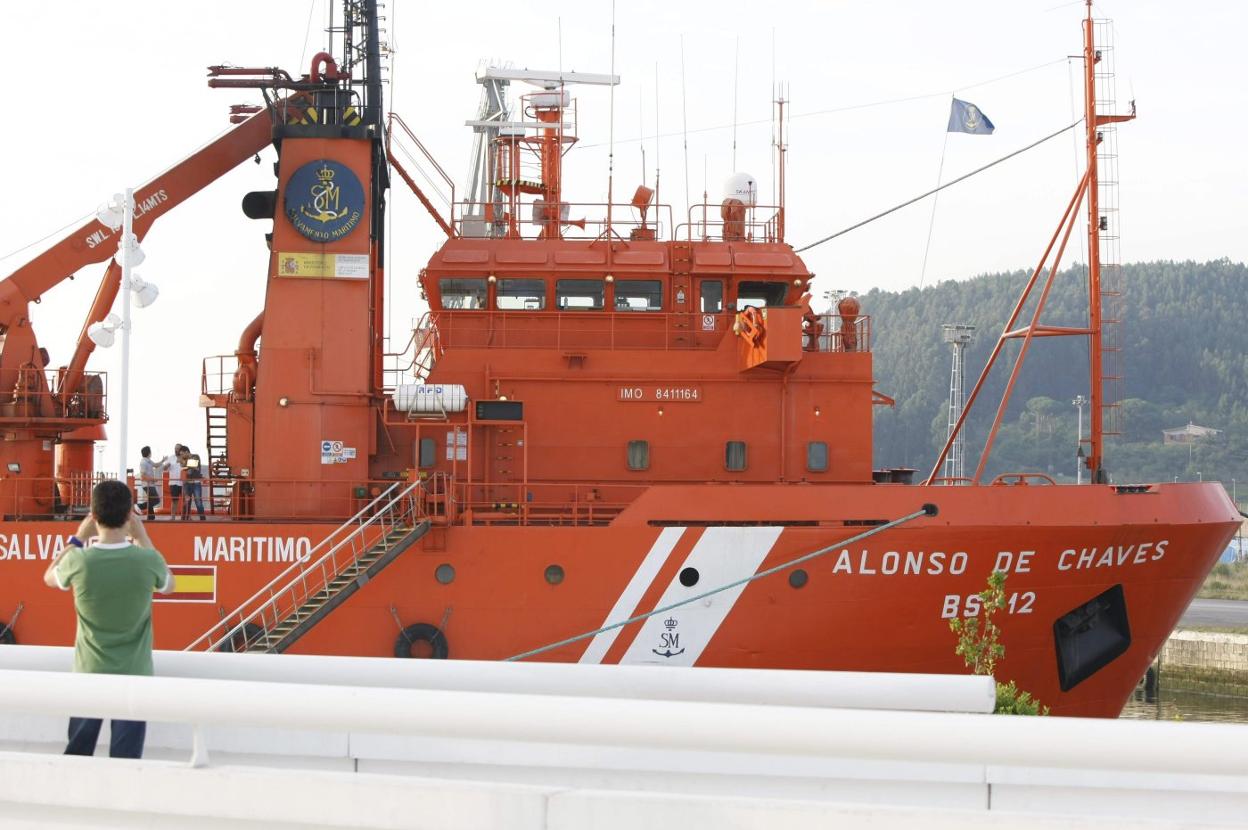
{"points": [[277, 615]]}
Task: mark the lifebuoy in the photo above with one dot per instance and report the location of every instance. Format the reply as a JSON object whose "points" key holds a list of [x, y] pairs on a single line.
{"points": [[751, 325], [7, 636], [249, 633], [422, 633]]}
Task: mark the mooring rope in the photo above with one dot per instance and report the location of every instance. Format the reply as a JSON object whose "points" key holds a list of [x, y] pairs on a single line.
{"points": [[922, 196], [925, 510]]}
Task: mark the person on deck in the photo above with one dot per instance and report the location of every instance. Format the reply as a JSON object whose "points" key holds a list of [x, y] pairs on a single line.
{"points": [[174, 464], [192, 489], [149, 480], [112, 579]]}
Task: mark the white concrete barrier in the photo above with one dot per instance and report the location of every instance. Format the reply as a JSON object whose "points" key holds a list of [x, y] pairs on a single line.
{"points": [[309, 755], [677, 725], [842, 690]]}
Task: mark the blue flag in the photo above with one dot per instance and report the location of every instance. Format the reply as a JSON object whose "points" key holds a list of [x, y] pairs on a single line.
{"points": [[965, 117]]}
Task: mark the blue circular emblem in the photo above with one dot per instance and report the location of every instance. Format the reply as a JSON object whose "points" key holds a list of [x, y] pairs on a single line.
{"points": [[324, 200]]}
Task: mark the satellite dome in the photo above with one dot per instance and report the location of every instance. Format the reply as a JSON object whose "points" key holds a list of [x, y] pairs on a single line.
{"points": [[742, 186]]}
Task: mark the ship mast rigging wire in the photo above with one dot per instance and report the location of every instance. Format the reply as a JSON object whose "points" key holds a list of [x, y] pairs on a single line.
{"points": [[852, 107], [931, 222], [926, 510], [950, 183]]}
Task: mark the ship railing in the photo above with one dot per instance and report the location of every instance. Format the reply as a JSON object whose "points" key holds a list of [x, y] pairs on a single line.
{"points": [[217, 375], [30, 396], [42, 498], [51, 497], [583, 329], [836, 337], [577, 220], [416, 360], [574, 505], [405, 150], [398, 507], [237, 497], [706, 223]]}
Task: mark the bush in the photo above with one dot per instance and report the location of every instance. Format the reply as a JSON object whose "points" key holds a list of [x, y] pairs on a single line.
{"points": [[980, 648]]}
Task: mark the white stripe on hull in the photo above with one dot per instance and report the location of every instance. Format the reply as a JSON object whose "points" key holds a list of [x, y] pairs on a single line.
{"points": [[623, 609], [721, 556]]}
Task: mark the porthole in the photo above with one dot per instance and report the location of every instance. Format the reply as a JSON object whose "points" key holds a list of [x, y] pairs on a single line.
{"points": [[554, 574], [444, 573], [689, 577], [798, 578]]}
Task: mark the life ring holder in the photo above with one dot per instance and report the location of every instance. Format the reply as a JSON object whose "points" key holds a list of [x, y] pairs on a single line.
{"points": [[751, 324], [422, 633]]}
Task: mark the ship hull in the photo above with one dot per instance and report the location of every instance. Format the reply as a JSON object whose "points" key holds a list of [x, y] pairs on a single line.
{"points": [[1096, 580]]}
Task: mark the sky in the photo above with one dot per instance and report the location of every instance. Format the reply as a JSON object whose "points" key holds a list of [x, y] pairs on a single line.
{"points": [[113, 93]]}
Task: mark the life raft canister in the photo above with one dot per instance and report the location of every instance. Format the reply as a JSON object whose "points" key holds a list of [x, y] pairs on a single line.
{"points": [[422, 633]]}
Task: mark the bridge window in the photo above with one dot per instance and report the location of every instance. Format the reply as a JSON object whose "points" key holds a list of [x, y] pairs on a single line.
{"points": [[712, 292], [638, 295], [638, 455], [761, 294], [521, 295], [462, 293], [817, 456], [734, 456], [580, 295]]}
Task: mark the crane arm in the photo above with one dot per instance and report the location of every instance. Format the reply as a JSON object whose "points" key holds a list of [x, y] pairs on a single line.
{"points": [[93, 241]]}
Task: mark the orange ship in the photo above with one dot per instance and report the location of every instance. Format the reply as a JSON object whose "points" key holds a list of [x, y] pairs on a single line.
{"points": [[607, 441]]}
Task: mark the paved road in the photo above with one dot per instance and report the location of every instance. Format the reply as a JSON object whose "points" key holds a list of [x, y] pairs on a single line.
{"points": [[1215, 612]]}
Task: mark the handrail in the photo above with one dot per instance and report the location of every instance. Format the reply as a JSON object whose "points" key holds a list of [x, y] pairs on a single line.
{"points": [[302, 568]]}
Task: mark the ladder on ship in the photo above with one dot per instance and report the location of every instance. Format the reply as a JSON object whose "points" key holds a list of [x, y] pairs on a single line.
{"points": [[1111, 379], [307, 592], [217, 441]]}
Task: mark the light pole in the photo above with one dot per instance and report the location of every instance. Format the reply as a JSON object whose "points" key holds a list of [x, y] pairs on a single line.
{"points": [[127, 250], [1079, 403], [103, 331]]}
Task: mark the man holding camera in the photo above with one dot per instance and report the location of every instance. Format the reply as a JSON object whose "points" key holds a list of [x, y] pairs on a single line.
{"points": [[112, 579]]}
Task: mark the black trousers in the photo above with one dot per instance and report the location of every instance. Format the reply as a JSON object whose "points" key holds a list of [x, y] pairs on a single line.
{"points": [[126, 741]]}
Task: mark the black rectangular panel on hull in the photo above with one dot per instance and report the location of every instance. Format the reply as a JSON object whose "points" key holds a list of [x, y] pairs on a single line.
{"points": [[1089, 637]]}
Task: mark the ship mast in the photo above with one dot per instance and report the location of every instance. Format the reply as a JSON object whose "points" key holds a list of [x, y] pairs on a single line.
{"points": [[1048, 268], [1093, 121]]}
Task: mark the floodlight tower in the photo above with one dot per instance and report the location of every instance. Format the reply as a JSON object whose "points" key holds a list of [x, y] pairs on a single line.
{"points": [[958, 336]]}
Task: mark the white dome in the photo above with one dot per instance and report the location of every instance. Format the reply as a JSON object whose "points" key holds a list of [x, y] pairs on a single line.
{"points": [[742, 186]]}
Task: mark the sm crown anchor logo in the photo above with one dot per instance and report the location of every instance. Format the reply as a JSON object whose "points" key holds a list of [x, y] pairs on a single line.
{"points": [[324, 200], [669, 639]]}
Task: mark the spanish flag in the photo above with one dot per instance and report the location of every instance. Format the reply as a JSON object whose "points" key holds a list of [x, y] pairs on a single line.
{"points": [[191, 583]]}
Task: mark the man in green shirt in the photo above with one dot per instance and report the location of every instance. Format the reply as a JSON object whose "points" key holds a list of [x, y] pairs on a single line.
{"points": [[112, 579]]}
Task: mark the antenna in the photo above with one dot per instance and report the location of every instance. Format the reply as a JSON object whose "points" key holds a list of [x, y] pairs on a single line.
{"points": [[736, 88], [704, 195], [774, 94], [656, 140], [611, 130], [641, 130], [684, 115]]}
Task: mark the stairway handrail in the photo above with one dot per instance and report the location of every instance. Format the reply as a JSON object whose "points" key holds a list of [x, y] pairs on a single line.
{"points": [[298, 569]]}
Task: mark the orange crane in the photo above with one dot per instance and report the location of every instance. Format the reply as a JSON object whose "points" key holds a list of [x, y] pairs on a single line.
{"points": [[50, 418]]}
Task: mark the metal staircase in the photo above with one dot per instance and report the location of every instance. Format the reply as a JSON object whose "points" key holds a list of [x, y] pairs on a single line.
{"points": [[218, 466], [308, 591]]}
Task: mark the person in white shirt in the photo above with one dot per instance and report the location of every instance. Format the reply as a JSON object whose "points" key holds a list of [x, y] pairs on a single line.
{"points": [[174, 463], [149, 481]]}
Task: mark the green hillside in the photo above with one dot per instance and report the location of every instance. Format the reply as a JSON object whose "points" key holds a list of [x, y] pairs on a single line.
{"points": [[1186, 359]]}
